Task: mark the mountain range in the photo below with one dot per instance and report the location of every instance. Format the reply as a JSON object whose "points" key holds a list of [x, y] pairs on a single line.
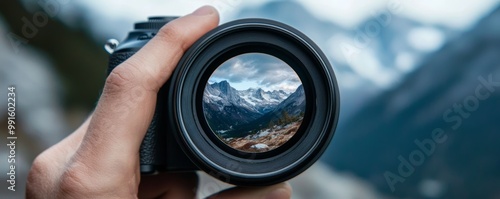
{"points": [[233, 113], [358, 72], [446, 92], [377, 125]]}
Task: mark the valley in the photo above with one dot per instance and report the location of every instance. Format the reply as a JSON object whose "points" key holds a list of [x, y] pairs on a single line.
{"points": [[235, 115]]}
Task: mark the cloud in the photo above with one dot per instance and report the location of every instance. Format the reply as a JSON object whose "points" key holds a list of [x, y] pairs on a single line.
{"points": [[351, 14], [257, 70]]}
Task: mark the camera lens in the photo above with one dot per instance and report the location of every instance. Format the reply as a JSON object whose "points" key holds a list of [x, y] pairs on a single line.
{"points": [[254, 102]]}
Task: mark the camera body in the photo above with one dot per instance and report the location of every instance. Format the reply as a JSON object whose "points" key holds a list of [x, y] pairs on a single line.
{"points": [[252, 136], [160, 150]]}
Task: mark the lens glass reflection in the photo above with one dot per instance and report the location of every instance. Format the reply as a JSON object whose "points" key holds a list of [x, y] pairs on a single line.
{"points": [[254, 102]]}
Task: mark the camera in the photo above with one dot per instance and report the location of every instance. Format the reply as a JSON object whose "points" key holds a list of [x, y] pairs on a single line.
{"points": [[252, 102]]}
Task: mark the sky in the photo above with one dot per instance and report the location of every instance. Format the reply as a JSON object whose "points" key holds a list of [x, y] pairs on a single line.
{"points": [[115, 18], [457, 14], [257, 70]]}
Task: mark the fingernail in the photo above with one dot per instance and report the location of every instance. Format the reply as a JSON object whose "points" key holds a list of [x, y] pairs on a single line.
{"points": [[279, 193], [205, 10]]}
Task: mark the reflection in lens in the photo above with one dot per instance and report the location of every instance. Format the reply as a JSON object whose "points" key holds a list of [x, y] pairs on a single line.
{"points": [[254, 102]]}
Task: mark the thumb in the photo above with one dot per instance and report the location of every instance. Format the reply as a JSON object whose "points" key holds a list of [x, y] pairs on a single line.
{"points": [[127, 104]]}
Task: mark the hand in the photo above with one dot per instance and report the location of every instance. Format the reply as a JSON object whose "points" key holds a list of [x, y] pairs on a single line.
{"points": [[101, 158]]}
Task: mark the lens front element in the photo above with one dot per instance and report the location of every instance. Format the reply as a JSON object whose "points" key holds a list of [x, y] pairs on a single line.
{"points": [[254, 102]]}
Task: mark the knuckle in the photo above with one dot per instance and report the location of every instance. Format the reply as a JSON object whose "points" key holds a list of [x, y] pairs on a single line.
{"points": [[81, 180], [39, 168], [39, 165], [119, 79], [73, 181], [40, 178]]}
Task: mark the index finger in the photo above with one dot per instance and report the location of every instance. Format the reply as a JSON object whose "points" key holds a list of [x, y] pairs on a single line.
{"points": [[127, 104]]}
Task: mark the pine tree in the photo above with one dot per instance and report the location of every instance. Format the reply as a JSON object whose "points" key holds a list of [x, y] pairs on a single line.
{"points": [[286, 117], [271, 124]]}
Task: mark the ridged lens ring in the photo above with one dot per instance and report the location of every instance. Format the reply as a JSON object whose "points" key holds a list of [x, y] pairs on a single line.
{"points": [[255, 101]]}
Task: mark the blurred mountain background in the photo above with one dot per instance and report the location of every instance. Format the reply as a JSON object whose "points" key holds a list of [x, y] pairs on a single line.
{"points": [[406, 69], [466, 164]]}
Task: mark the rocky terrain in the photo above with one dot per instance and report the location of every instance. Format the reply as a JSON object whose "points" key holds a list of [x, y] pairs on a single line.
{"points": [[235, 114], [265, 140]]}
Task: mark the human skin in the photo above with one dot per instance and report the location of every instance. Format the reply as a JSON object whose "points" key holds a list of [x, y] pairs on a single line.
{"points": [[101, 158]]}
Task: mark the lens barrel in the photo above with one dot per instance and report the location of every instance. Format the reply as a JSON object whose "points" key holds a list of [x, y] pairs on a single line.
{"points": [[183, 136], [200, 143]]}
